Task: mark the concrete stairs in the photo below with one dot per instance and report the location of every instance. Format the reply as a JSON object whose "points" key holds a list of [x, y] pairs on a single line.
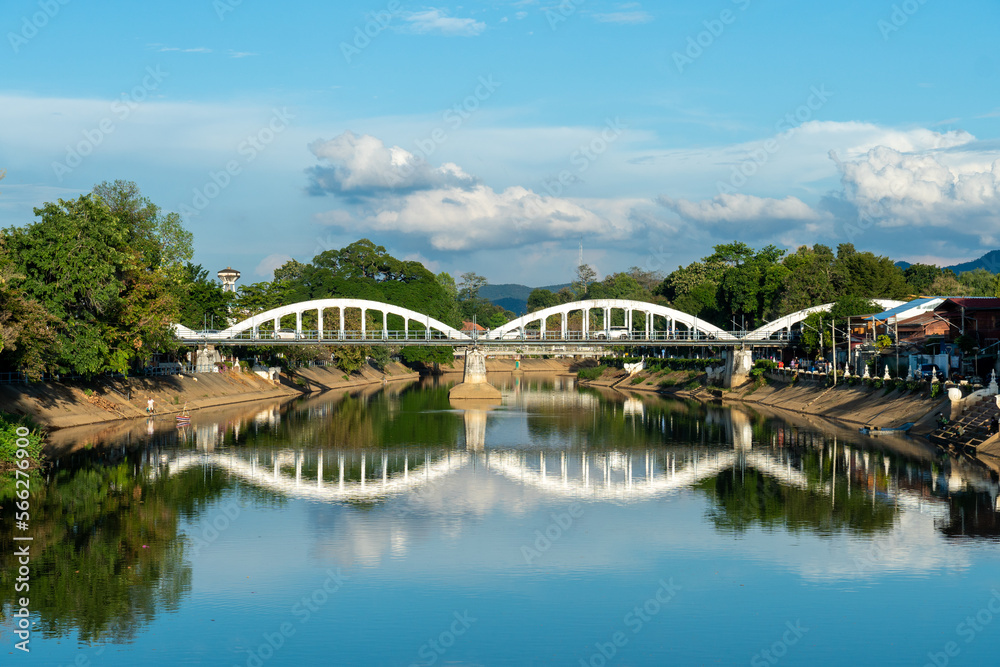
{"points": [[970, 431]]}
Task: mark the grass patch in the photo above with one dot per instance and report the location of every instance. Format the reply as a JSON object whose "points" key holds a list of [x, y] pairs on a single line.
{"points": [[591, 373], [637, 380]]}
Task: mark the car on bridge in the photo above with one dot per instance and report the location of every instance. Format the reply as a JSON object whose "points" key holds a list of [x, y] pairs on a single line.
{"points": [[285, 334], [614, 333]]}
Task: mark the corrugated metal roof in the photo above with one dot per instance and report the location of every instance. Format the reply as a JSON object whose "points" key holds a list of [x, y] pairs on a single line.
{"points": [[917, 306]]}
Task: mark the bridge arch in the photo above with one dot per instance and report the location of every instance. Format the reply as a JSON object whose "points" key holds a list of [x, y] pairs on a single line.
{"points": [[252, 324], [693, 326], [784, 324]]}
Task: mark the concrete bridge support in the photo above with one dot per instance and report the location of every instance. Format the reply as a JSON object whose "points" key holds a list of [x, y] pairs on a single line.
{"points": [[474, 385], [739, 361]]}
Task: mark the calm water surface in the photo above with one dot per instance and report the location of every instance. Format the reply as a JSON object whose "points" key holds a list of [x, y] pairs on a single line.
{"points": [[564, 527]]}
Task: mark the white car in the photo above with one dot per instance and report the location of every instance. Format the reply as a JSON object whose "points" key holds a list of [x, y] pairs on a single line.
{"points": [[615, 333]]}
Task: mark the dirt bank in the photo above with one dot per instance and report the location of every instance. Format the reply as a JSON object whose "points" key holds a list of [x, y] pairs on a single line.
{"points": [[59, 405]]}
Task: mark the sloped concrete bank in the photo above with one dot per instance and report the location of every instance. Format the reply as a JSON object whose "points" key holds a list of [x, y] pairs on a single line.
{"points": [[858, 406], [58, 405], [855, 406]]}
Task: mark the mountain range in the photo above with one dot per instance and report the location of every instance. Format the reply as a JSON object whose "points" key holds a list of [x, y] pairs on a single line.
{"points": [[990, 261], [513, 297]]}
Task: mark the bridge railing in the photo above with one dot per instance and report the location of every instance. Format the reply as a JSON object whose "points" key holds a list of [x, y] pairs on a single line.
{"points": [[487, 336]]}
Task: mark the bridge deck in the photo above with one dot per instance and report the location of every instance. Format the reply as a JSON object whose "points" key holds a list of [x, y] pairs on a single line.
{"points": [[552, 339]]}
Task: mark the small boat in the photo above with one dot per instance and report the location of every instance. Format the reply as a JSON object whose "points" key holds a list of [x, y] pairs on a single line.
{"points": [[183, 418], [875, 430]]}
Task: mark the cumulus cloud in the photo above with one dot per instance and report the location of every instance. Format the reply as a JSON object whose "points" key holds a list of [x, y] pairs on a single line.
{"points": [[363, 166], [395, 192], [949, 189], [437, 21]]}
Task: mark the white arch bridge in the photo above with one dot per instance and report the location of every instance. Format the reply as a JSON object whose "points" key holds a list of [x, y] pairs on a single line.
{"points": [[591, 322]]}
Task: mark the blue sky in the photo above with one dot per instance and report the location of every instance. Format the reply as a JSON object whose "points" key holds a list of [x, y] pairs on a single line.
{"points": [[497, 136]]}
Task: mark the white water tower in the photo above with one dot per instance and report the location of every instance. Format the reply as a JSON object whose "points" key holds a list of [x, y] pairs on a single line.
{"points": [[229, 276]]}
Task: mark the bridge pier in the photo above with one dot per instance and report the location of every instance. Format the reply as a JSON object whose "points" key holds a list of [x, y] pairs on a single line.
{"points": [[474, 385], [739, 361]]}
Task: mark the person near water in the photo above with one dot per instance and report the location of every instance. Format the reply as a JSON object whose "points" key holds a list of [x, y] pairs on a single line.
{"points": [[149, 406]]}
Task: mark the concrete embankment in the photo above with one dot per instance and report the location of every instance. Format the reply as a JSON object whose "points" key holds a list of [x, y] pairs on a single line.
{"points": [[855, 406], [61, 405]]}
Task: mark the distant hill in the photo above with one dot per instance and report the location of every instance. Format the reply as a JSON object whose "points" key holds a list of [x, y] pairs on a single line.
{"points": [[513, 297], [990, 261]]}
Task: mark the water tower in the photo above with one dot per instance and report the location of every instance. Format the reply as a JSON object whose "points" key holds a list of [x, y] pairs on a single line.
{"points": [[229, 276]]}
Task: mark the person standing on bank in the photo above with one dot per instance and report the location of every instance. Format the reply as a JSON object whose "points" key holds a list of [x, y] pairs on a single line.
{"points": [[149, 406]]}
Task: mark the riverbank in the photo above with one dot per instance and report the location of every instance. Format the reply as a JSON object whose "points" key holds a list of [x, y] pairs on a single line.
{"points": [[855, 406], [58, 405], [858, 405]]}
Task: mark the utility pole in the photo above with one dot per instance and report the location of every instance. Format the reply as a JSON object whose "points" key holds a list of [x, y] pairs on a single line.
{"points": [[833, 346], [895, 341]]}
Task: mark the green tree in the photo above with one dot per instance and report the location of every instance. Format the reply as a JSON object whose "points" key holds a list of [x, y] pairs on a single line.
{"points": [[540, 299], [113, 306], [27, 330], [809, 280], [201, 302], [866, 275], [920, 277], [160, 238], [469, 288], [585, 274], [978, 282]]}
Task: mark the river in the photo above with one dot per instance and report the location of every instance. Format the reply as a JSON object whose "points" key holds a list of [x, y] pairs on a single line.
{"points": [[564, 527]]}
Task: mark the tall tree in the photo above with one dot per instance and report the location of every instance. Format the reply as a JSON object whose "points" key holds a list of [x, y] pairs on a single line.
{"points": [[159, 238], [77, 262], [920, 276], [471, 284], [585, 274]]}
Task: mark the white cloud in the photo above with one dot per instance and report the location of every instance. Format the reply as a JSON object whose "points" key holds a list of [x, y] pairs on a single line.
{"points": [[436, 21], [949, 189], [362, 165], [740, 208], [624, 18], [265, 268], [396, 193], [197, 49]]}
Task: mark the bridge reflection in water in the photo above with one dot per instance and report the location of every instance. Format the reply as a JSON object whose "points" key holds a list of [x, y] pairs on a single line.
{"points": [[363, 475]]}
